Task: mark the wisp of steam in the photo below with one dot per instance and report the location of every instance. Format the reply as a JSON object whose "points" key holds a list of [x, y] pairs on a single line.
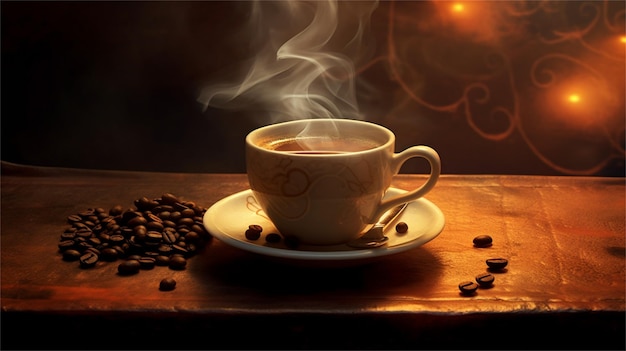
{"points": [[304, 66]]}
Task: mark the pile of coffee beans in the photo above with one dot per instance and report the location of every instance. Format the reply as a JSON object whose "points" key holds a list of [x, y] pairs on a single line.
{"points": [[163, 231], [486, 279]]}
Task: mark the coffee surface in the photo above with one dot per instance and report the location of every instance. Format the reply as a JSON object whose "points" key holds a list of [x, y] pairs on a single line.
{"points": [[322, 145]]}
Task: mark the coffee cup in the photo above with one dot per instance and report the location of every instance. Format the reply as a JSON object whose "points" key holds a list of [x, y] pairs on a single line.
{"points": [[323, 181]]}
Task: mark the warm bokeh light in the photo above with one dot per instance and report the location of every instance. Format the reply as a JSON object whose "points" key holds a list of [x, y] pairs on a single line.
{"points": [[580, 102], [574, 98], [457, 7], [623, 39]]}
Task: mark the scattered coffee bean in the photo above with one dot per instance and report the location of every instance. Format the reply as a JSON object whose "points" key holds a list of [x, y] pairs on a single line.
{"points": [[167, 284], [483, 241], [273, 238], [402, 227], [129, 267], [254, 232], [485, 279], [497, 264], [468, 287], [177, 262]]}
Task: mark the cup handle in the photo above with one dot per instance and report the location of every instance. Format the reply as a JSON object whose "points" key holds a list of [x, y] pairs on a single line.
{"points": [[398, 159]]}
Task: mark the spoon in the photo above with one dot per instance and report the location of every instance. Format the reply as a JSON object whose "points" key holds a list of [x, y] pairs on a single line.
{"points": [[375, 237]]}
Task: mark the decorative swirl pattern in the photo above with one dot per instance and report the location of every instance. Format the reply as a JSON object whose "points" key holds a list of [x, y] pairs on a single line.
{"points": [[531, 68]]}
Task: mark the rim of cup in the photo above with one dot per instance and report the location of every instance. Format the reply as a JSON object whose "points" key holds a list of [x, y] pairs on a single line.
{"points": [[254, 134]]}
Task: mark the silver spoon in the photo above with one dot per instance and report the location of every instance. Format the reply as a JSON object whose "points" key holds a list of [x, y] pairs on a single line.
{"points": [[375, 237]]}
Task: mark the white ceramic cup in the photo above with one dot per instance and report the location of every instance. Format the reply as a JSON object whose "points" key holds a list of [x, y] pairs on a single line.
{"points": [[322, 181]]}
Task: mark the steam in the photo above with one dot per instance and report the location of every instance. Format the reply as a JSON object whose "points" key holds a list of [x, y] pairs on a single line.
{"points": [[309, 74]]}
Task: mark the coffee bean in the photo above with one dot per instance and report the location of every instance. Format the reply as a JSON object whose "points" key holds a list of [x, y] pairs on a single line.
{"points": [[483, 241], [180, 249], [292, 242], [192, 237], [198, 228], [168, 199], [84, 232], [185, 221], [139, 220], [402, 227], [177, 262], [468, 287], [165, 250], [188, 212], [273, 238], [253, 232], [164, 215], [158, 226], [74, 218], [145, 204], [116, 239], [147, 262], [162, 260], [129, 267], [169, 223], [485, 279], [88, 260], [71, 255], [154, 236], [66, 245], [167, 284], [109, 254], [116, 210], [255, 227], [92, 249], [497, 264]]}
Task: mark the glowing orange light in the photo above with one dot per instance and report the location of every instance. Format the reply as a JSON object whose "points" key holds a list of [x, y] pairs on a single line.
{"points": [[457, 7], [574, 98], [623, 39]]}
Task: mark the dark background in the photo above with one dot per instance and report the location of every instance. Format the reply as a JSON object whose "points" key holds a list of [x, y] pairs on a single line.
{"points": [[114, 85]]}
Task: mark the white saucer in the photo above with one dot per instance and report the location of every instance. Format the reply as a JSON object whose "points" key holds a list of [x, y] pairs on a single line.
{"points": [[228, 219]]}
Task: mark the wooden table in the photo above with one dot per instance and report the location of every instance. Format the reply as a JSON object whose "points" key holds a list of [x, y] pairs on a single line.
{"points": [[564, 286]]}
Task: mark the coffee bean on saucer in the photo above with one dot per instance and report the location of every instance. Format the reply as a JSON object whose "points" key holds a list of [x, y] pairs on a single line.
{"points": [[167, 284], [497, 264], [292, 242], [254, 232], [273, 238], [483, 241], [468, 287], [402, 227], [485, 279]]}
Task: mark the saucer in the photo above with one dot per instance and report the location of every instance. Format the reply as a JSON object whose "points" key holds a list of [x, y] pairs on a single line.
{"points": [[229, 218]]}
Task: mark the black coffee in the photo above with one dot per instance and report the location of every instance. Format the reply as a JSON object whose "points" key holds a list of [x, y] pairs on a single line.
{"points": [[322, 145]]}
